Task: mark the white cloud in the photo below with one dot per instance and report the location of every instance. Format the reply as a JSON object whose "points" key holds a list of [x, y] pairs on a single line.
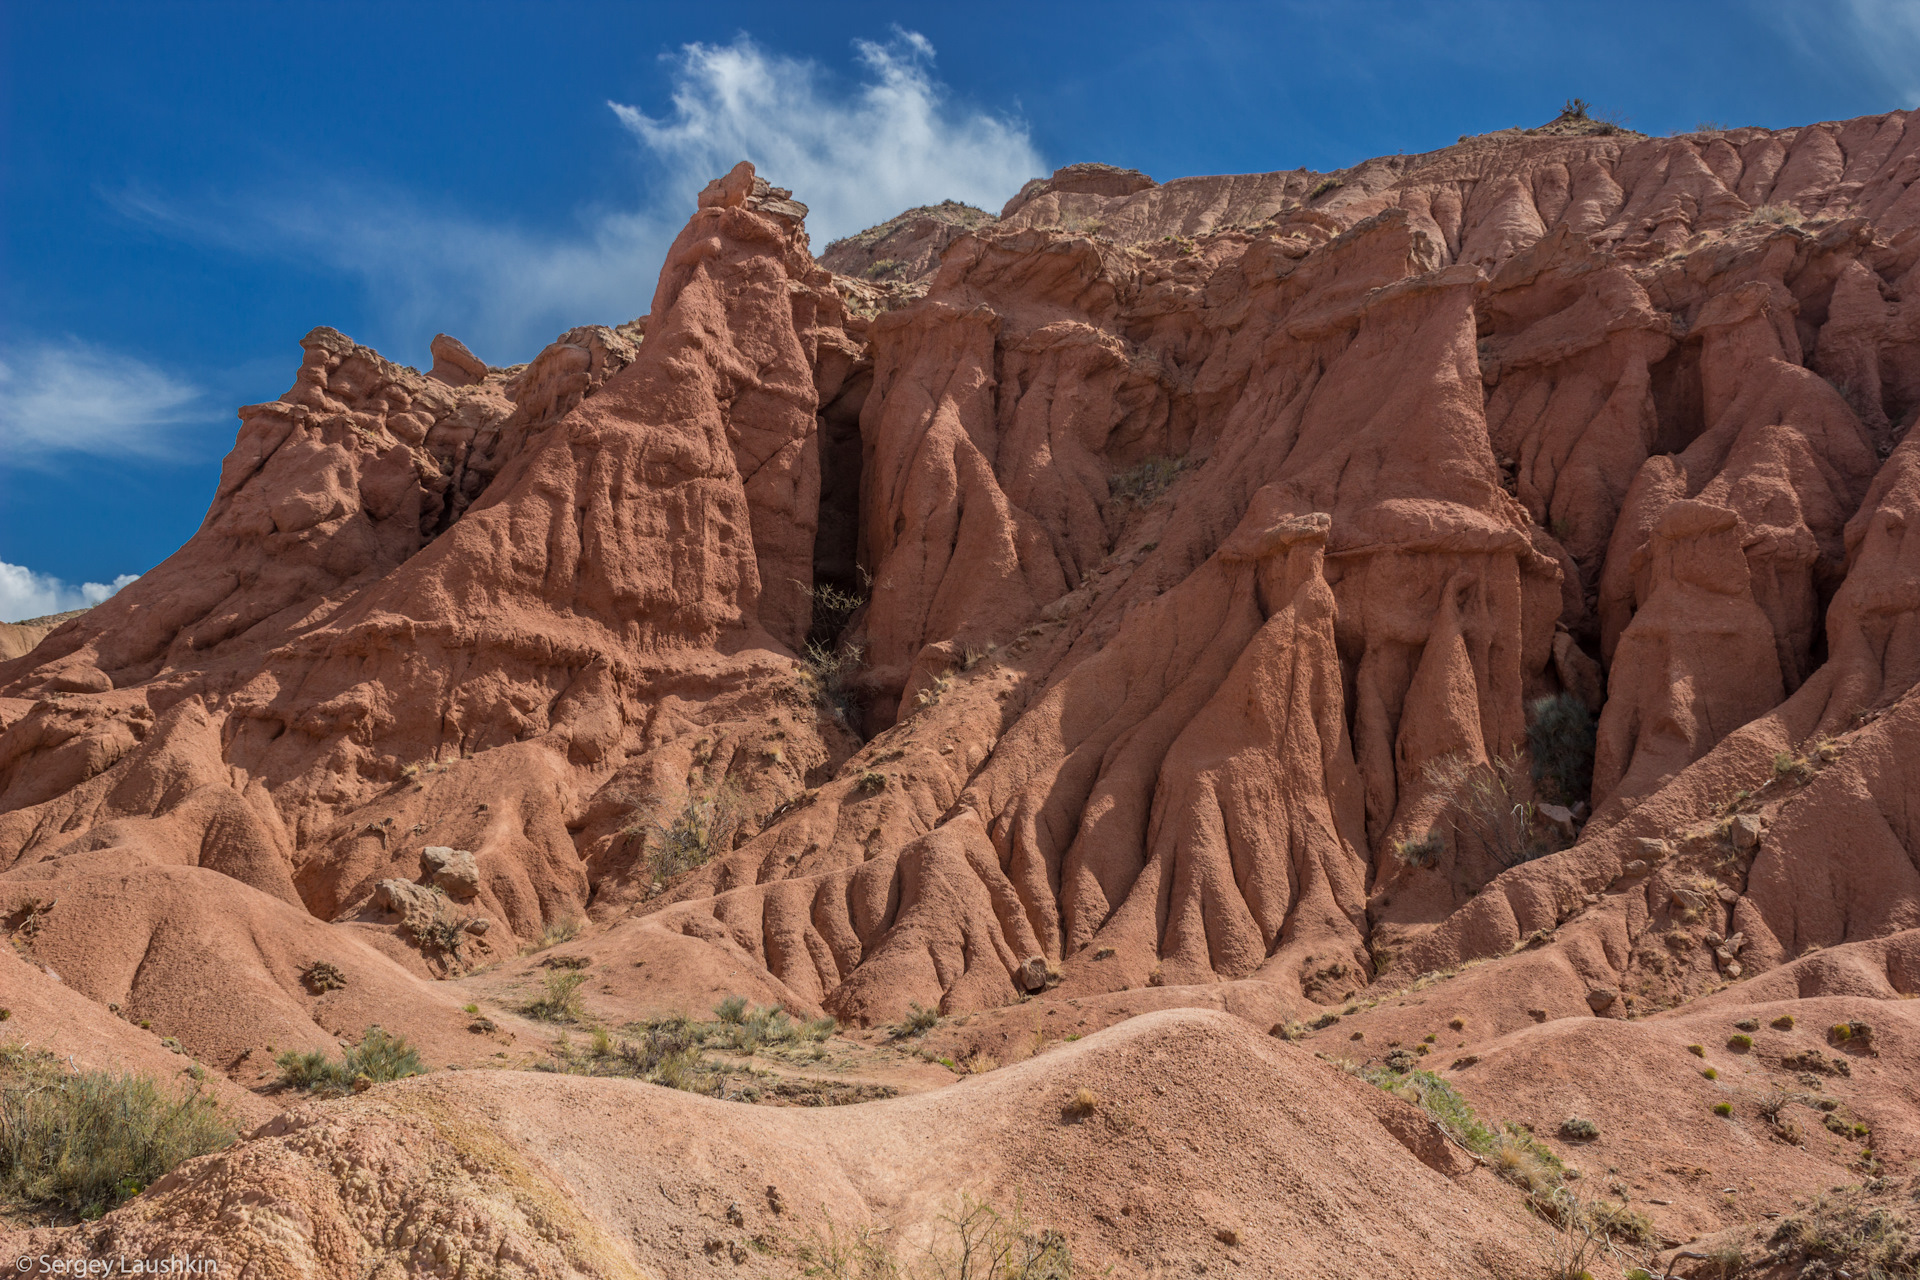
{"points": [[503, 290], [26, 594], [1888, 33], [74, 398], [856, 155], [854, 160]]}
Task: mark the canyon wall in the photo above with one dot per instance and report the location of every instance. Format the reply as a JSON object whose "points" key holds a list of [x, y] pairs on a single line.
{"points": [[1130, 590]]}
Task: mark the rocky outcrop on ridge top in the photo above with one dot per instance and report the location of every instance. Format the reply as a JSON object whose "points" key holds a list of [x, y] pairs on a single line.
{"points": [[1195, 524]]}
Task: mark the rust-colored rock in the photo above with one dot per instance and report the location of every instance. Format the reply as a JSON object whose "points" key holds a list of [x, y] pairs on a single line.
{"points": [[1266, 594]]}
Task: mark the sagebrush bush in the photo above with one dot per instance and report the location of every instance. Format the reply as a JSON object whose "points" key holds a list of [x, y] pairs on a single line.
{"points": [[563, 930], [1847, 1234], [1483, 804], [827, 673], [918, 1021], [87, 1141], [700, 825], [1420, 851], [560, 1001], [1561, 733]]}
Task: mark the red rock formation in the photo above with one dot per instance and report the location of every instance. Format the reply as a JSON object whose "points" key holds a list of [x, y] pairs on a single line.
{"points": [[1169, 555], [1105, 607]]}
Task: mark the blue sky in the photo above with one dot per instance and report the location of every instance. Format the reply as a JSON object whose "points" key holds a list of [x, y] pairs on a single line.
{"points": [[187, 188]]}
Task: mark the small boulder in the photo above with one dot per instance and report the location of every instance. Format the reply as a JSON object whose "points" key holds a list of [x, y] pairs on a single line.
{"points": [[1559, 817], [479, 925], [1032, 974], [1634, 867], [453, 871], [1746, 831], [1651, 850], [1601, 998], [403, 898]]}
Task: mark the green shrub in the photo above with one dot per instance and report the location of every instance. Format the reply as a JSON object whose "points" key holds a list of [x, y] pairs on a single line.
{"points": [[732, 1009], [1697, 1050], [1561, 733], [1420, 851], [667, 1053], [1845, 1233], [1723, 1109], [87, 1141], [562, 930], [560, 1002], [378, 1058], [1710, 1073], [381, 1057], [758, 1027], [313, 1071], [1859, 1033], [702, 826], [1578, 1129], [1740, 1043], [827, 674], [918, 1021], [1783, 1023]]}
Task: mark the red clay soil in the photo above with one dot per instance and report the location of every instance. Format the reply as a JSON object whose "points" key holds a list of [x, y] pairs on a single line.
{"points": [[1054, 620]]}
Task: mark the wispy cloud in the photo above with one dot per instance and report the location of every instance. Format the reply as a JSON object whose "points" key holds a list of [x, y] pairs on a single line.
{"points": [[855, 153], [855, 160], [1876, 41], [71, 397], [1889, 38], [503, 290], [26, 594]]}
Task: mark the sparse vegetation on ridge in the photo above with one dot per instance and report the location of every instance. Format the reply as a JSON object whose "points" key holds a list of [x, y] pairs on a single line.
{"points": [[560, 1000], [689, 834], [673, 1052], [1487, 807], [377, 1059], [975, 1241], [1142, 484], [83, 1142]]}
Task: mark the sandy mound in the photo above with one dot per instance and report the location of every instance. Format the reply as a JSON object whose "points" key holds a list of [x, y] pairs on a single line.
{"points": [[1202, 1128]]}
